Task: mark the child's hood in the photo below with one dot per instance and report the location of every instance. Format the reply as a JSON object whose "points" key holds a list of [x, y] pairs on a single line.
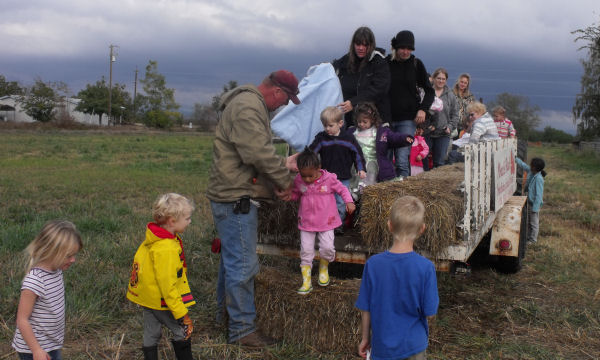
{"points": [[156, 233]]}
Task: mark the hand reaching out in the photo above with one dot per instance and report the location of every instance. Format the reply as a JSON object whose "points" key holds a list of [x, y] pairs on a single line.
{"points": [[362, 174]]}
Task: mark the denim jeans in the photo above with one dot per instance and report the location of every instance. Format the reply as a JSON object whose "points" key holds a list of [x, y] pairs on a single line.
{"points": [[54, 355], [438, 146], [339, 202], [402, 154], [237, 268]]}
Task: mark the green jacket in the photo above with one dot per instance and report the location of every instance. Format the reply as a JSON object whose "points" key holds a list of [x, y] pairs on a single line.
{"points": [[244, 158]]}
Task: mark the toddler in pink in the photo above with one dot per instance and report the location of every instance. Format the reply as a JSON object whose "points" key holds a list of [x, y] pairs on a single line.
{"points": [[418, 152], [317, 215]]}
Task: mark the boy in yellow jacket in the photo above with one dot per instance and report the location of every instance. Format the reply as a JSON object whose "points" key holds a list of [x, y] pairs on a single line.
{"points": [[158, 277]]}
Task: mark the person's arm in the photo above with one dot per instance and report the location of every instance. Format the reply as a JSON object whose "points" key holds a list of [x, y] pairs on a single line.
{"points": [[454, 114], [477, 130], [396, 139], [359, 158], [522, 164], [26, 303], [365, 330], [425, 148], [511, 130], [423, 82], [251, 137]]}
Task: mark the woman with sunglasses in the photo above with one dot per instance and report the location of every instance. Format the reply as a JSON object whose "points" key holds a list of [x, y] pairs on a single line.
{"points": [[484, 127]]}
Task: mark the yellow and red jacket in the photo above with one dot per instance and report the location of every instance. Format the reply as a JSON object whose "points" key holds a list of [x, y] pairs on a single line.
{"points": [[159, 273]]}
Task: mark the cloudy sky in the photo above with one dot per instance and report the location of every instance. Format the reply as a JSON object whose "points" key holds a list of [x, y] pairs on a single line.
{"points": [[522, 47]]}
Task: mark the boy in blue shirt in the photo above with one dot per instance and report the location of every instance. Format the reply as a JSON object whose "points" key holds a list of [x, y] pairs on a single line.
{"points": [[398, 293]]}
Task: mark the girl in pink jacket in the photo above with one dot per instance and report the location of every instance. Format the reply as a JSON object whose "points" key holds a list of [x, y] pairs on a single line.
{"points": [[317, 215], [418, 153]]}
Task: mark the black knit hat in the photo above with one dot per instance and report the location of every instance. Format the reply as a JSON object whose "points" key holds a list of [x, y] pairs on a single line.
{"points": [[404, 38]]}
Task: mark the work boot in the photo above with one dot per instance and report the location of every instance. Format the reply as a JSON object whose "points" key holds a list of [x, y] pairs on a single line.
{"points": [[323, 273], [306, 283], [183, 349], [255, 340], [150, 352]]}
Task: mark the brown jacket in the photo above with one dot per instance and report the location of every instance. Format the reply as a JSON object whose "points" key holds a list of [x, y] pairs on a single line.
{"points": [[244, 158]]}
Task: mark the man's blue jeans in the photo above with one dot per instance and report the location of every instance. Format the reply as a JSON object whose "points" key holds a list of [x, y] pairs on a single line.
{"points": [[238, 267], [438, 146], [402, 154]]}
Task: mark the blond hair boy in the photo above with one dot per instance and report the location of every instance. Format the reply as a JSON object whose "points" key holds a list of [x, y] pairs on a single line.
{"points": [[398, 291]]}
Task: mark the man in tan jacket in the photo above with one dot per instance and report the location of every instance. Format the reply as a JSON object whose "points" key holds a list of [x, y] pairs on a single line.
{"points": [[245, 169]]}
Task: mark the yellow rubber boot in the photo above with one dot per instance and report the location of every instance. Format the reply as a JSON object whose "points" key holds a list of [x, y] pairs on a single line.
{"points": [[306, 283], [323, 272]]}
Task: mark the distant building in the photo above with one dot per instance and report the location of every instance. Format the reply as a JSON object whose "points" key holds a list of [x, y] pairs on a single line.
{"points": [[11, 110]]}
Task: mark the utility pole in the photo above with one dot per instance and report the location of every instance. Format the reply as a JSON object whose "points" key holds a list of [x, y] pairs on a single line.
{"points": [[135, 94], [112, 58]]}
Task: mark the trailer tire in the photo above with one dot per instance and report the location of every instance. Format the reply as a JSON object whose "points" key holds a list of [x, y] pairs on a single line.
{"points": [[512, 264]]}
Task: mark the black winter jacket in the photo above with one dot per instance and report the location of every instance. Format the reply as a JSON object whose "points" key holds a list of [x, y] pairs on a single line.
{"points": [[370, 84], [406, 75]]}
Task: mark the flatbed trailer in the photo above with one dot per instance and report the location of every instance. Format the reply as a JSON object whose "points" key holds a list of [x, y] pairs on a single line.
{"points": [[491, 212]]}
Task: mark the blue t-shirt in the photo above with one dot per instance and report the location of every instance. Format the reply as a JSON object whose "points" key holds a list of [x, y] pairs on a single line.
{"points": [[399, 291]]}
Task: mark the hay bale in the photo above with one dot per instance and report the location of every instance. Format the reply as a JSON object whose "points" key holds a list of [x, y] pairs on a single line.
{"points": [[278, 222], [325, 319], [444, 209]]}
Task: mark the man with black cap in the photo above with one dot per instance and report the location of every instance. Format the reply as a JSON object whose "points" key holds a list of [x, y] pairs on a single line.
{"points": [[246, 169], [407, 108]]}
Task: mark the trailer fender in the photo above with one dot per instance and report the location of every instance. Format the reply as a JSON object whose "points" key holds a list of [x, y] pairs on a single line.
{"points": [[506, 229]]}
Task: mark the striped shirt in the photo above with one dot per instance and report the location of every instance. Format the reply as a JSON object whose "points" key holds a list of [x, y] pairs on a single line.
{"points": [[505, 128], [483, 128], [48, 315]]}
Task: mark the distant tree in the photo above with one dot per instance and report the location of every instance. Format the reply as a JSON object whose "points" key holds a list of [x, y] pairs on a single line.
{"points": [[523, 115], [216, 100], [9, 87], [204, 116], [551, 135], [94, 100], [158, 106], [587, 103], [41, 99]]}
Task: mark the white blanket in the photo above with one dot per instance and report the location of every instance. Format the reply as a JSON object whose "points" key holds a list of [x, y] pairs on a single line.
{"points": [[298, 124]]}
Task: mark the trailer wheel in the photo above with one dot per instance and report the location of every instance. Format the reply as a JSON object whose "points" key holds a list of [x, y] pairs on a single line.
{"points": [[511, 264]]}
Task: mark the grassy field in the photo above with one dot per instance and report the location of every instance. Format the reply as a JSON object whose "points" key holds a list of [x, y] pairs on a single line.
{"points": [[105, 183]]}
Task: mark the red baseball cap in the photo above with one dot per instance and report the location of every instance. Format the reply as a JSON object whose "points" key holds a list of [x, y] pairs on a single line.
{"points": [[287, 82]]}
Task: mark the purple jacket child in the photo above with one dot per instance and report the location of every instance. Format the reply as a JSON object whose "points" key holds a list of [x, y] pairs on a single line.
{"points": [[318, 211], [386, 139]]}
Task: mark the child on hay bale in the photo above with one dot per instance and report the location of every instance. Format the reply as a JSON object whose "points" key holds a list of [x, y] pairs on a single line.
{"points": [[158, 279], [418, 153], [317, 215], [375, 140], [398, 292], [338, 150], [534, 186]]}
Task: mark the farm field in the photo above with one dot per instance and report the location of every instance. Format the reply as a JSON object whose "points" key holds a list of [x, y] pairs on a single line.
{"points": [[105, 182]]}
